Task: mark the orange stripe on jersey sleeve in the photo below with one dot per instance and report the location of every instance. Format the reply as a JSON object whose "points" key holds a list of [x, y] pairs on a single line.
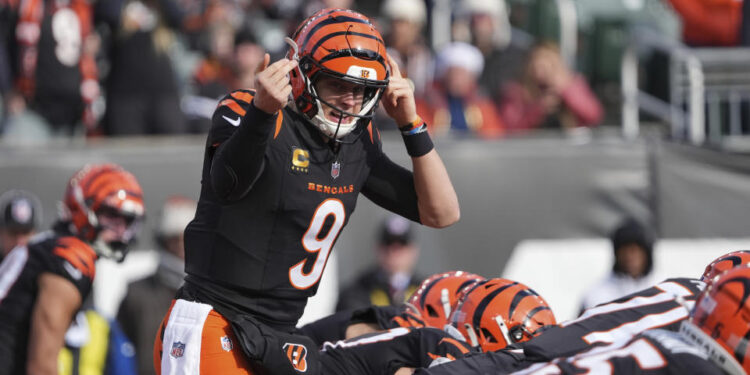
{"points": [[455, 343], [400, 321], [78, 254], [279, 120], [369, 130], [233, 105], [244, 96], [435, 356]]}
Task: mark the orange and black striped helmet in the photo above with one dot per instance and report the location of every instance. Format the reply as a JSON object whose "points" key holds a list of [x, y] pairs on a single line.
{"points": [[498, 312], [436, 297], [725, 263], [720, 321], [342, 44], [100, 188]]}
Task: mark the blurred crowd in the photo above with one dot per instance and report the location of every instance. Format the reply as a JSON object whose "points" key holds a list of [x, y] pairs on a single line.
{"points": [[138, 67]]}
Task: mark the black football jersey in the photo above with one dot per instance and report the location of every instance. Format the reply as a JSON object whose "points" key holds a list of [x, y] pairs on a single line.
{"points": [[333, 327], [500, 362], [386, 352], [653, 352], [265, 252], [655, 307], [48, 252]]}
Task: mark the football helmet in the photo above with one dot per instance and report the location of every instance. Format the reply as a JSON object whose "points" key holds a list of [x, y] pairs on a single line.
{"points": [[725, 263], [103, 189], [720, 321], [436, 297], [497, 312], [342, 44]]}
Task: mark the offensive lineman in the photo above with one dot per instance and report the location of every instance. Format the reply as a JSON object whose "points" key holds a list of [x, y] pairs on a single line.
{"points": [[279, 183]]}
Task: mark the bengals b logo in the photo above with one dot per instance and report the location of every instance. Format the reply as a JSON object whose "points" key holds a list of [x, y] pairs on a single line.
{"points": [[297, 355]]}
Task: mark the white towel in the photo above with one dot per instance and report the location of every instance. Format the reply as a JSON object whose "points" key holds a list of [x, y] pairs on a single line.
{"points": [[181, 348]]}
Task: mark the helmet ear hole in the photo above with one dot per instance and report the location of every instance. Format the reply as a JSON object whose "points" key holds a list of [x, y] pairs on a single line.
{"points": [[431, 311], [488, 337], [516, 333]]}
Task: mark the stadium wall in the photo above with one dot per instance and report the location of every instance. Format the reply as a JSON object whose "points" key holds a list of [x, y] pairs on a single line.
{"points": [[509, 190]]}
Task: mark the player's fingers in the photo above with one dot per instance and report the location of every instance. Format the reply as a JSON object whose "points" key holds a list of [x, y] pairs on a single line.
{"points": [[400, 92], [263, 64], [281, 74], [397, 83], [286, 91], [395, 71]]}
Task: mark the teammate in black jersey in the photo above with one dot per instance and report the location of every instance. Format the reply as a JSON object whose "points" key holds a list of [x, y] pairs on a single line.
{"points": [[665, 305], [42, 285], [279, 183], [713, 340], [398, 349], [429, 306]]}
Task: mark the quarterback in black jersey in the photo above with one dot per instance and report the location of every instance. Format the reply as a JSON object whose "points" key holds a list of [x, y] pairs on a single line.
{"points": [[279, 183], [42, 285]]}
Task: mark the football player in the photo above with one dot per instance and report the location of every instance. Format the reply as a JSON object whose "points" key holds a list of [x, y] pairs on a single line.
{"points": [[495, 313], [43, 284], [279, 183], [664, 306], [398, 349], [488, 315], [713, 340], [725, 263], [429, 306]]}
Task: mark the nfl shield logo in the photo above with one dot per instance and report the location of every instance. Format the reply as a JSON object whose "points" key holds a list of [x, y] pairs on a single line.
{"points": [[335, 169], [178, 349], [226, 343]]}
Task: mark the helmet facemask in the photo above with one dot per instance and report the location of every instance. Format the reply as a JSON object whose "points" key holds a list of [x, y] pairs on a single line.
{"points": [[116, 230], [372, 91]]}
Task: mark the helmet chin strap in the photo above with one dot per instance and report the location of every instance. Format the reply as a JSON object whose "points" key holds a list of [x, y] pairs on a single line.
{"points": [[338, 126], [112, 250]]}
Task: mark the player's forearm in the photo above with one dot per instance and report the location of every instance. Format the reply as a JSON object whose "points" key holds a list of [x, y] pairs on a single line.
{"points": [[436, 198], [53, 311], [239, 161]]}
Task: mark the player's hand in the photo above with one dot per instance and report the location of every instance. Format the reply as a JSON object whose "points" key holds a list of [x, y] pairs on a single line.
{"points": [[272, 85], [398, 100]]}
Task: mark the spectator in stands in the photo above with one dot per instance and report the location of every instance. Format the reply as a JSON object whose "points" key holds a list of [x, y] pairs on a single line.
{"points": [[455, 103], [142, 92], [147, 300], [485, 24], [550, 95], [50, 49], [392, 280], [96, 345], [213, 77], [248, 54], [710, 22], [404, 24], [633, 249], [406, 45], [229, 65], [21, 215]]}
